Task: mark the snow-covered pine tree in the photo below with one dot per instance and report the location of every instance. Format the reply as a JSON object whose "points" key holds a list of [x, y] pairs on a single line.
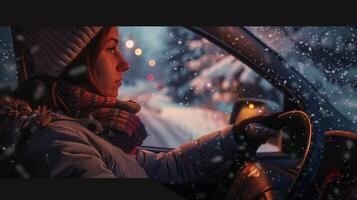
{"points": [[188, 56], [177, 57]]}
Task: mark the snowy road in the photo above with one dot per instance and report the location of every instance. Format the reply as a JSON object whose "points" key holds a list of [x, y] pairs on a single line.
{"points": [[160, 130], [168, 124]]}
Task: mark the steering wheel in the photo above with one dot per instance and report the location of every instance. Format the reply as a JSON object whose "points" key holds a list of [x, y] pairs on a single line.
{"points": [[254, 179]]}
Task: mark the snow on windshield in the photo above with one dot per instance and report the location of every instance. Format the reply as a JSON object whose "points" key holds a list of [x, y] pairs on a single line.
{"points": [[325, 56]]}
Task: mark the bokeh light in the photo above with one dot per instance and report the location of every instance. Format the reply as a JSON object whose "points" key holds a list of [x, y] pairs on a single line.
{"points": [[129, 44], [138, 52], [150, 77], [152, 63]]}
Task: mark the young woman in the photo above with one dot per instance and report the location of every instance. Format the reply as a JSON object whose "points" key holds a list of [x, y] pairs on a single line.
{"points": [[66, 120]]}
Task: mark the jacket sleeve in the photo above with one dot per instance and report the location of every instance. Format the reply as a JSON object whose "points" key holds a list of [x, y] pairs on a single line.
{"points": [[203, 160], [57, 153]]}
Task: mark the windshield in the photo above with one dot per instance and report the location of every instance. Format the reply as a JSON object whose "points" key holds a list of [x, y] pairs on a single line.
{"points": [[325, 56]]}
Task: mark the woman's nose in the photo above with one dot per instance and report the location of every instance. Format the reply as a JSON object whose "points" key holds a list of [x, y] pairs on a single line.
{"points": [[123, 63]]}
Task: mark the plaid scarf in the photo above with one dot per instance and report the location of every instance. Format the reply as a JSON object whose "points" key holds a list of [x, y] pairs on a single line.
{"points": [[121, 126]]}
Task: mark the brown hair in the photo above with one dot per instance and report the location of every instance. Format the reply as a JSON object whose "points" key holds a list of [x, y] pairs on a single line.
{"points": [[80, 70]]}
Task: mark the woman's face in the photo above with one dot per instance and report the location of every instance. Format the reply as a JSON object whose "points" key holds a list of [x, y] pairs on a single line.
{"points": [[110, 65]]}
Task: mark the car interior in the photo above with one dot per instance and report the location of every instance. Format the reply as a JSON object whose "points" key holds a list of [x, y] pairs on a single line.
{"points": [[273, 175]]}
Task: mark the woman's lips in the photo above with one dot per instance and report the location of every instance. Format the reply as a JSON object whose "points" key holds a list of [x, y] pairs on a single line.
{"points": [[118, 82]]}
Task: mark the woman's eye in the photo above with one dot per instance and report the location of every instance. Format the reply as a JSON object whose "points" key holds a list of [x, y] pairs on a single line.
{"points": [[112, 50]]}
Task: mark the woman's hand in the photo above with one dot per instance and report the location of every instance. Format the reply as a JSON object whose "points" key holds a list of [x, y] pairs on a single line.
{"points": [[253, 132]]}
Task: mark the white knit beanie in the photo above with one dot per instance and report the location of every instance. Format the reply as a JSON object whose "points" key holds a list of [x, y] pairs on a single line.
{"points": [[53, 48]]}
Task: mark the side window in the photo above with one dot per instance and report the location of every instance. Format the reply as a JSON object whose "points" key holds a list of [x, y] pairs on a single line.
{"points": [[188, 86], [8, 76]]}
